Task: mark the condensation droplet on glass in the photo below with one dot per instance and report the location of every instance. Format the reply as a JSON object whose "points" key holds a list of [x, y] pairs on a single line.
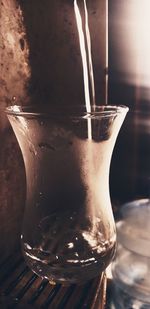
{"points": [[46, 146], [70, 245], [32, 150], [28, 246], [14, 98]]}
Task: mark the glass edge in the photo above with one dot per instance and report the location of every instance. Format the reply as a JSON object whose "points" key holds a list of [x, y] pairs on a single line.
{"points": [[112, 109]]}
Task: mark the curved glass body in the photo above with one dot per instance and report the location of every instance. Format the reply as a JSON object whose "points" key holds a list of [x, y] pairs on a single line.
{"points": [[68, 231]]}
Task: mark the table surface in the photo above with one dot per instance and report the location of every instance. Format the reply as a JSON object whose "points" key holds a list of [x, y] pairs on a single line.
{"points": [[21, 288]]}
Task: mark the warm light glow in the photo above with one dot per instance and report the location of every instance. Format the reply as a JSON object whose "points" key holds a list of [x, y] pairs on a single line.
{"points": [[17, 109], [82, 261], [133, 40], [142, 40]]}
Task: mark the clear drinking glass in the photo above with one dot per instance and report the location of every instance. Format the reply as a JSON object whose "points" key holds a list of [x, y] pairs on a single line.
{"points": [[68, 232]]}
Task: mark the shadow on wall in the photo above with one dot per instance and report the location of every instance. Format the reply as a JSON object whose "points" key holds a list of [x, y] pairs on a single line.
{"points": [[13, 77], [54, 49], [54, 55]]}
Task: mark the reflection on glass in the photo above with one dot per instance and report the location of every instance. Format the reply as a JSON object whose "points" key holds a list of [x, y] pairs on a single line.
{"points": [[68, 232]]}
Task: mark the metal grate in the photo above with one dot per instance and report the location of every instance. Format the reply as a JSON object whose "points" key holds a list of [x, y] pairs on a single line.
{"points": [[21, 288]]}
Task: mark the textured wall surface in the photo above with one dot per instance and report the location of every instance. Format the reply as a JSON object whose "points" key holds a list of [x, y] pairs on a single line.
{"points": [[14, 73]]}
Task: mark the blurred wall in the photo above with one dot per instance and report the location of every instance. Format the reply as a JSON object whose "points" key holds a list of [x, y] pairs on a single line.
{"points": [[129, 84], [13, 76]]}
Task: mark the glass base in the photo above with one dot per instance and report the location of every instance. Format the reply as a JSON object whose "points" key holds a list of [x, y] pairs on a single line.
{"points": [[63, 274]]}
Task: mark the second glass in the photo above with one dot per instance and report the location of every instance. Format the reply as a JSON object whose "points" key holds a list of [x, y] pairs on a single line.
{"points": [[68, 233]]}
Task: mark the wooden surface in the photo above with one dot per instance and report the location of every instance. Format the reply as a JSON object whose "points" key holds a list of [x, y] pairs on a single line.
{"points": [[21, 288]]}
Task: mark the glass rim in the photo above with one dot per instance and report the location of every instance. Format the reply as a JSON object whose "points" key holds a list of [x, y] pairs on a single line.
{"points": [[78, 111]]}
